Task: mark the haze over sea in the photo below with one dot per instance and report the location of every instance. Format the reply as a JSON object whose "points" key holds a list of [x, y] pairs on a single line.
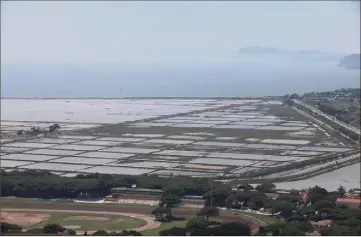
{"points": [[211, 80], [176, 49]]}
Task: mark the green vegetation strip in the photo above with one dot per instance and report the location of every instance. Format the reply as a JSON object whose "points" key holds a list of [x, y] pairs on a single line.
{"points": [[5, 200], [266, 220], [11, 201], [292, 178]]}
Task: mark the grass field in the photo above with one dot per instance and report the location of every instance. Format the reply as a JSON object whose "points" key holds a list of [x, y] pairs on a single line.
{"points": [[11, 200], [266, 219], [165, 226], [36, 200], [190, 211], [87, 221], [4, 201], [112, 224]]}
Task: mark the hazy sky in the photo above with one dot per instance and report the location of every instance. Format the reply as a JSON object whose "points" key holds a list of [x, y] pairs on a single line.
{"points": [[146, 32]]}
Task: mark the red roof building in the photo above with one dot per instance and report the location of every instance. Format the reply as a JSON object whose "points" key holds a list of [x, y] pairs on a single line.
{"points": [[349, 202]]}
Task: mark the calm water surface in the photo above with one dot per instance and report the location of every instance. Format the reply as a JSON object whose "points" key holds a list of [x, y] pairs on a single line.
{"points": [[172, 82], [348, 177]]}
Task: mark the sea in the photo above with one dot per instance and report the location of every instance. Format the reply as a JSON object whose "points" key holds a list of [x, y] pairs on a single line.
{"points": [[348, 177], [215, 80]]}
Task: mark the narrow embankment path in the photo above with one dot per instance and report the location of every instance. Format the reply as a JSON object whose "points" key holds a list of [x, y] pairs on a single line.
{"points": [[151, 223]]}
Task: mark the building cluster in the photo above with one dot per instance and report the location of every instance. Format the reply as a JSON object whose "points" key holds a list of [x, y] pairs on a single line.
{"points": [[352, 203], [342, 95], [352, 199], [148, 197]]}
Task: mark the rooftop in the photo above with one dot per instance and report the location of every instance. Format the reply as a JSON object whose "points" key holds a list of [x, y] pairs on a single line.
{"points": [[138, 190], [322, 223], [349, 200]]}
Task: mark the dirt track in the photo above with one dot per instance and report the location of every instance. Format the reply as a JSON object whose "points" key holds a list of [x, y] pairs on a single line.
{"points": [[151, 224], [121, 210], [22, 219]]}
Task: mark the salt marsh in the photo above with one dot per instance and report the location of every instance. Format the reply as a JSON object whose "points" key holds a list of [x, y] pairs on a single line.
{"points": [[182, 137]]}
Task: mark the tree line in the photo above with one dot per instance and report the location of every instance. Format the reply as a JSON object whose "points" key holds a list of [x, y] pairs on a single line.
{"points": [[56, 229], [199, 226], [44, 184], [295, 213], [346, 115], [49, 229]]}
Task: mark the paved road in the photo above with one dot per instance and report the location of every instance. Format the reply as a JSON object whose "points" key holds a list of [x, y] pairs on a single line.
{"points": [[329, 117]]}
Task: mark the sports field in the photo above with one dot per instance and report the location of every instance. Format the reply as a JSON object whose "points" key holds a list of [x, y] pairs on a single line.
{"points": [[72, 220], [138, 216]]}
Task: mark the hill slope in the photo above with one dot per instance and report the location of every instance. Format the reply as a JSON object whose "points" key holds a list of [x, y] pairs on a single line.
{"points": [[351, 61], [269, 52]]}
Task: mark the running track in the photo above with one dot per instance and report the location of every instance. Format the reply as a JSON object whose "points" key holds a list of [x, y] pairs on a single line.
{"points": [[253, 222]]}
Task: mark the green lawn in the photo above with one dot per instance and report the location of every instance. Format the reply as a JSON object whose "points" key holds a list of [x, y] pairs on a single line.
{"points": [[266, 219], [126, 222], [165, 226], [4, 200], [109, 222]]}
